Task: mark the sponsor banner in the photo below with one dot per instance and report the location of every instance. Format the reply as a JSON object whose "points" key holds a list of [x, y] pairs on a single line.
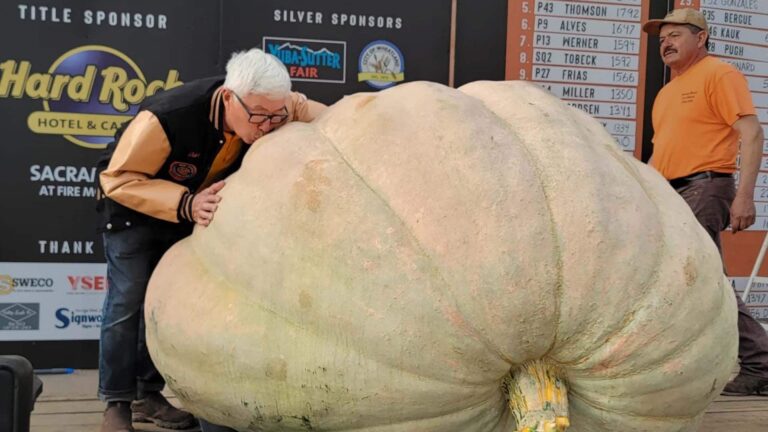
{"points": [[63, 95], [51, 301], [87, 70], [63, 99], [335, 47]]}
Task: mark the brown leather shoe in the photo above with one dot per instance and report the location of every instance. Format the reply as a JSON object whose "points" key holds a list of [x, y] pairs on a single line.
{"points": [[156, 409], [745, 385], [117, 418]]}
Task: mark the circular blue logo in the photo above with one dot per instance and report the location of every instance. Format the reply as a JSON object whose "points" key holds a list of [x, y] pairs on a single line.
{"points": [[381, 64]]}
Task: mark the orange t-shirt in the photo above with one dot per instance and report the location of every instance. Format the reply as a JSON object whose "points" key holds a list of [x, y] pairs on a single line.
{"points": [[693, 117]]}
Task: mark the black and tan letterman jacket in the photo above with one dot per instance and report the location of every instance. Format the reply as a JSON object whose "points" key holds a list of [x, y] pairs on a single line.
{"points": [[175, 146]]}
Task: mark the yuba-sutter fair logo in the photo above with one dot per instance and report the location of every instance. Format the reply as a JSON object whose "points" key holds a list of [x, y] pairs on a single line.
{"points": [[86, 95], [310, 59]]}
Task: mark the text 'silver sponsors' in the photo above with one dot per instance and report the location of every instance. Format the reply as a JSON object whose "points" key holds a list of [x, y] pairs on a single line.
{"points": [[87, 93]]}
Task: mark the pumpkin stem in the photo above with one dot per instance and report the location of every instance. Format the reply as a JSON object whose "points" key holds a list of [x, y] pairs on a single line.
{"points": [[538, 397]]}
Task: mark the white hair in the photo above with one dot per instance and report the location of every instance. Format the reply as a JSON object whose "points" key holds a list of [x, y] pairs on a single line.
{"points": [[255, 71]]}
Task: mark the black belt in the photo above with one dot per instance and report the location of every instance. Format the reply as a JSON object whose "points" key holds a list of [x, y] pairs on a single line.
{"points": [[680, 182]]}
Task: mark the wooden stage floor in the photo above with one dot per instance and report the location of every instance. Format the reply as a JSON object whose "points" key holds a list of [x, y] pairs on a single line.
{"points": [[69, 404]]}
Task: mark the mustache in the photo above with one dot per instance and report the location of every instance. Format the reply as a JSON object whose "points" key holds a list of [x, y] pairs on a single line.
{"points": [[669, 50]]}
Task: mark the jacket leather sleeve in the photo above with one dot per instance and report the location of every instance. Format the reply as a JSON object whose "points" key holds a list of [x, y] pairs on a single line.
{"points": [[129, 179], [303, 109]]}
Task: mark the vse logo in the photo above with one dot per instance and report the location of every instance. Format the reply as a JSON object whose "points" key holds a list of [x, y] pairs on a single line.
{"points": [[87, 283]]}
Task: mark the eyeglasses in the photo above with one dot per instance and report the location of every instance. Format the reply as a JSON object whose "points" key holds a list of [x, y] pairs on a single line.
{"points": [[259, 119]]}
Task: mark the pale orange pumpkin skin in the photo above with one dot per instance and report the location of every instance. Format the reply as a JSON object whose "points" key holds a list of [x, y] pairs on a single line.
{"points": [[385, 267]]}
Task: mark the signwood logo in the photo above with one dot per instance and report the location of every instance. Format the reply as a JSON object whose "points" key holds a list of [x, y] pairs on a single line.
{"points": [[310, 59], [87, 93], [84, 318]]}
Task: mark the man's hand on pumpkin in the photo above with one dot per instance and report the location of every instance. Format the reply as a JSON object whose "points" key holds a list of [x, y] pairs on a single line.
{"points": [[205, 204]]}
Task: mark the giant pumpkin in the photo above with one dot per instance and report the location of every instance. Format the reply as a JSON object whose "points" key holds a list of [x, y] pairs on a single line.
{"points": [[434, 259]]}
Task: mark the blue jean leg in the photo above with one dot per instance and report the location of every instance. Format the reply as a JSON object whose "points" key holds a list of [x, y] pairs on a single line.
{"points": [[125, 367], [210, 427]]}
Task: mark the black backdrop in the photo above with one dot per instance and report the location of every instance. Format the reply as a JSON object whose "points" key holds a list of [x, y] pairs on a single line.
{"points": [[51, 139], [42, 167]]}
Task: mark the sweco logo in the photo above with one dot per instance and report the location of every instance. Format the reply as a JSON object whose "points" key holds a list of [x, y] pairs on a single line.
{"points": [[6, 284], [9, 284], [87, 93]]}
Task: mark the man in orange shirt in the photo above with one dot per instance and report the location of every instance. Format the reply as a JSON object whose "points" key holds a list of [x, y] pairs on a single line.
{"points": [[699, 117]]}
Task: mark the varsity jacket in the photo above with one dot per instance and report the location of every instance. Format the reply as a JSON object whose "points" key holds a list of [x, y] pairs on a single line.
{"points": [[160, 158]]}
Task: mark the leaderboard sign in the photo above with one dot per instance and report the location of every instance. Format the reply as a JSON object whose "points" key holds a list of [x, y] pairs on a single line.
{"points": [[591, 54]]}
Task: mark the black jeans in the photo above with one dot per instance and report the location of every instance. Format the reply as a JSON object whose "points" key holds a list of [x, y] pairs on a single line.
{"points": [[210, 427], [710, 200], [125, 368]]}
